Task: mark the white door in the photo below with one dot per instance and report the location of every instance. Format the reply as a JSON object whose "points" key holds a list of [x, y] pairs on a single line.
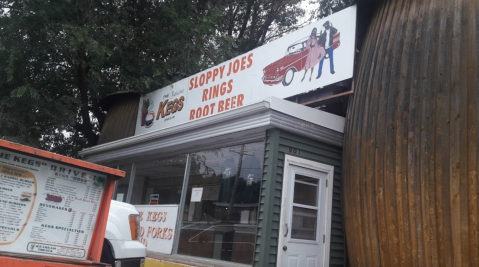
{"points": [[305, 214]]}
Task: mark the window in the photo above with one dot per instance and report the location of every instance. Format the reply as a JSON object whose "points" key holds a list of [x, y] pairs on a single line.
{"points": [[221, 224], [121, 187], [159, 181], [305, 207]]}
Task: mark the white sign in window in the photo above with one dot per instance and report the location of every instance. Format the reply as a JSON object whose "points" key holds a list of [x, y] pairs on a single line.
{"points": [[119, 197], [196, 194], [157, 227]]}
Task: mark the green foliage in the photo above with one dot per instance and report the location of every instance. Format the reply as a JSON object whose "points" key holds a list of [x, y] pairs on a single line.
{"points": [[247, 24], [328, 7]]}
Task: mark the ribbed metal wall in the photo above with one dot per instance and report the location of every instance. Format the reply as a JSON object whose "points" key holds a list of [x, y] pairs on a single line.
{"points": [[411, 143]]}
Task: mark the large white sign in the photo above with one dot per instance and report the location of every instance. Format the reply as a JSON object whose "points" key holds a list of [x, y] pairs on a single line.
{"points": [[317, 55], [157, 227], [47, 208]]}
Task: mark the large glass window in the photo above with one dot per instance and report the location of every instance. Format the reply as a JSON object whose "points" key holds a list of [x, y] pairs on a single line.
{"points": [[159, 181], [219, 221]]}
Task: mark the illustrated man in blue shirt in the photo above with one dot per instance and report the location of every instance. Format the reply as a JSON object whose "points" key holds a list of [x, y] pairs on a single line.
{"points": [[326, 40]]}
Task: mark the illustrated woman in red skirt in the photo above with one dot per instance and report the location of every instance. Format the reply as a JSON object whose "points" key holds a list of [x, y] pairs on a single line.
{"points": [[314, 53]]}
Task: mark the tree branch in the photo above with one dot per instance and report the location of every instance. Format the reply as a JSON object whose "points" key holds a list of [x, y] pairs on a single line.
{"points": [[246, 19]]}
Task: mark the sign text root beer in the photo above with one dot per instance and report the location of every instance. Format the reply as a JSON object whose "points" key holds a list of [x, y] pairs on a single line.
{"points": [[218, 89], [155, 231]]}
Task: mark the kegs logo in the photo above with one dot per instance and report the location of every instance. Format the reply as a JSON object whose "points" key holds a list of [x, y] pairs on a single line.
{"points": [[169, 106], [166, 107], [53, 198], [147, 115]]}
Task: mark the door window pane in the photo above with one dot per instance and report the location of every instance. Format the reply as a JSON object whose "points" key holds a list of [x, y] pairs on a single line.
{"points": [[304, 223], [222, 224], [305, 194], [306, 179]]}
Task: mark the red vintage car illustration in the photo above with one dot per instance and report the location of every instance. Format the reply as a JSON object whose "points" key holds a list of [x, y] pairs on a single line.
{"points": [[294, 60]]}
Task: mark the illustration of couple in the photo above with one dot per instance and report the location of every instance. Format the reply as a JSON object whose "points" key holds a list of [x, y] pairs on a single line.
{"points": [[318, 48]]}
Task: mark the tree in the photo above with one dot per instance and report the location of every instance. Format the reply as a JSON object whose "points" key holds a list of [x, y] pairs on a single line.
{"points": [[247, 24], [327, 7]]}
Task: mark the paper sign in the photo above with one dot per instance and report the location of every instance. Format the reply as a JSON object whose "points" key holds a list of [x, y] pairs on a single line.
{"points": [[119, 197], [196, 194], [154, 199]]}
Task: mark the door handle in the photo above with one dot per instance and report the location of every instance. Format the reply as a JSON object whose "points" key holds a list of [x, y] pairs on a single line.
{"points": [[287, 230]]}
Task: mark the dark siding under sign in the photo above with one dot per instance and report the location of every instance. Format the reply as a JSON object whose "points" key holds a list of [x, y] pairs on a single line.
{"points": [[278, 143]]}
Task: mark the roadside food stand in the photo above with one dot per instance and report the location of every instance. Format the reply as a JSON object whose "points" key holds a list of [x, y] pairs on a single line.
{"points": [[53, 209], [406, 189], [247, 187], [224, 171]]}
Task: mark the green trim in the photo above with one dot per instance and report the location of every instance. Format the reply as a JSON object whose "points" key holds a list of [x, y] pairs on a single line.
{"points": [[267, 218]]}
